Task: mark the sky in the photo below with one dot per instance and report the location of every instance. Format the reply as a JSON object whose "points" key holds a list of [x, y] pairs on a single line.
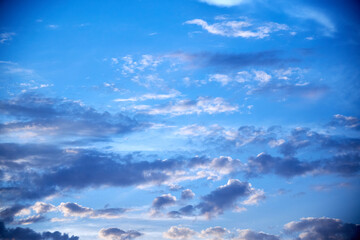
{"points": [[179, 119]]}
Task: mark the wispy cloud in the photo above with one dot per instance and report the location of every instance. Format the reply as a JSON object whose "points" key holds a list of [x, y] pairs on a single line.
{"points": [[242, 29], [6, 36]]}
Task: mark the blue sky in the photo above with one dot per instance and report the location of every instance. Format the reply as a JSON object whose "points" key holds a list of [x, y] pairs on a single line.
{"points": [[192, 119]]}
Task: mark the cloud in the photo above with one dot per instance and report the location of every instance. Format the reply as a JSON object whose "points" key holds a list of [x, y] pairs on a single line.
{"points": [[224, 197], [87, 168], [179, 233], [150, 96], [163, 200], [118, 234], [6, 36], [307, 13], [323, 228], [29, 234], [188, 210], [231, 61], [247, 234], [50, 116], [349, 122], [201, 105], [31, 220], [41, 207], [187, 194], [7, 215], [224, 3], [239, 28], [287, 167], [75, 210], [215, 233]]}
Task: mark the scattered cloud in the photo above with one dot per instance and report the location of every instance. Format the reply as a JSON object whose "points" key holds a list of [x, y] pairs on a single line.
{"points": [[323, 228], [345, 121], [247, 234], [225, 197], [150, 96], [118, 234], [200, 105], [215, 233], [187, 194], [6, 37], [179, 233], [242, 28]]}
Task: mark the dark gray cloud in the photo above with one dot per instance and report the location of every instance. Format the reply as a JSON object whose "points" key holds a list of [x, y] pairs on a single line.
{"points": [[323, 229], [118, 234], [61, 117], [224, 197], [7, 215], [29, 234]]}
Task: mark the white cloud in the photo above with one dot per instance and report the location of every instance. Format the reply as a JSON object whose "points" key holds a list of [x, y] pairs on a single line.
{"points": [[239, 28], [6, 36], [200, 105], [319, 17], [150, 96], [262, 76], [179, 233], [224, 3]]}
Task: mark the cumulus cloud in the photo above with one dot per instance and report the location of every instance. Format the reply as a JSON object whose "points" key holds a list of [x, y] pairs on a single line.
{"points": [[242, 29], [41, 207], [323, 229], [224, 197], [247, 234], [29, 234], [198, 106], [163, 201], [31, 220], [179, 233], [215, 233], [118, 234], [187, 194]]}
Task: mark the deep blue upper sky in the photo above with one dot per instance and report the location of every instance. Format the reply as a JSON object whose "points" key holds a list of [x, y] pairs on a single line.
{"points": [[181, 119]]}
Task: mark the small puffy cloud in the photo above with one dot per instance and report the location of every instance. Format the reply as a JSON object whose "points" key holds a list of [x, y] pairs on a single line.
{"points": [[187, 194], [215, 233], [118, 234], [163, 201], [179, 233], [201, 105], [247, 234], [41, 207], [225, 197], [262, 76], [75, 210], [242, 29], [323, 228]]}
